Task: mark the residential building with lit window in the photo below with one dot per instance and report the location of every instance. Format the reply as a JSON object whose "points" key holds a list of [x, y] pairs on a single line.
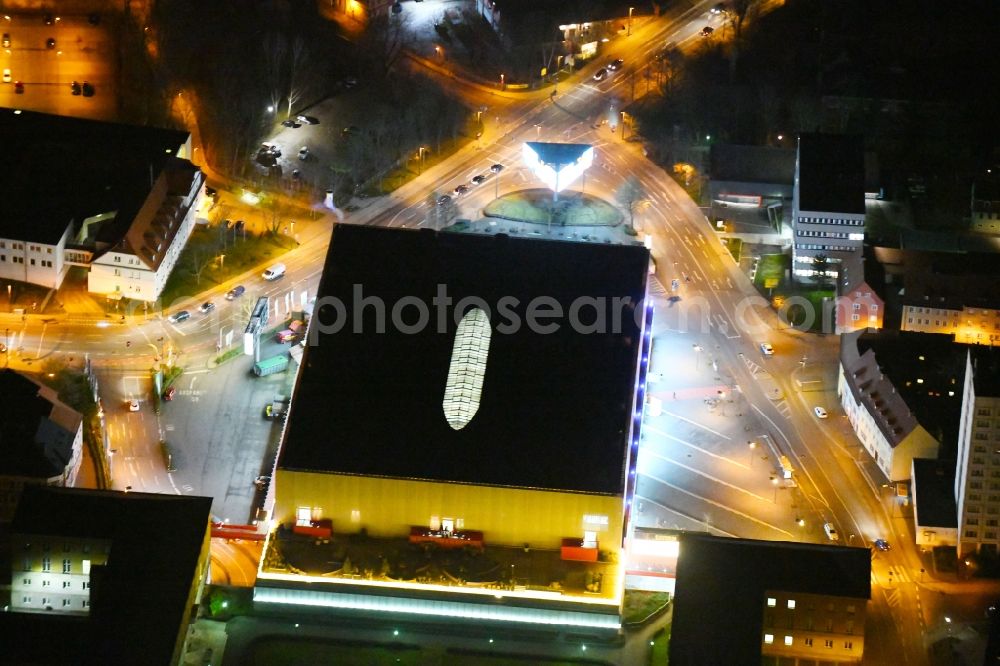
{"points": [[103, 577], [977, 474], [41, 439], [741, 601], [859, 307], [901, 393], [138, 265], [828, 204], [84, 187], [448, 455], [985, 209]]}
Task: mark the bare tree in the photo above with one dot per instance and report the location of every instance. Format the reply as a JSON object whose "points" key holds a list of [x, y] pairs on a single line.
{"points": [[201, 258], [629, 194], [737, 14], [298, 71], [384, 41]]}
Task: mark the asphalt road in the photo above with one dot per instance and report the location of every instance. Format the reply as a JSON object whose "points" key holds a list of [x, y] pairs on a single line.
{"points": [[709, 478]]}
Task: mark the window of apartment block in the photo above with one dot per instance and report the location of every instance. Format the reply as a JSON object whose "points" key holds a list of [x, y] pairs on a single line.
{"points": [[857, 306], [46, 564], [788, 640], [768, 638], [46, 583], [66, 602], [855, 317], [828, 643], [848, 645], [67, 566], [970, 533], [808, 642], [771, 602], [791, 604], [26, 581]]}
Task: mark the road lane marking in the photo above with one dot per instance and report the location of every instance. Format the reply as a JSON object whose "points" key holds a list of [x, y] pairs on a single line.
{"points": [[695, 423], [707, 476], [741, 514], [655, 430], [684, 515]]}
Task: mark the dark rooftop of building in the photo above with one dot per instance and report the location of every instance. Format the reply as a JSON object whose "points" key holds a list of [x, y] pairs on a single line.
{"points": [[555, 408], [720, 595], [141, 594], [906, 378], [831, 173], [71, 168], [985, 370], [36, 429], [760, 164], [934, 493]]}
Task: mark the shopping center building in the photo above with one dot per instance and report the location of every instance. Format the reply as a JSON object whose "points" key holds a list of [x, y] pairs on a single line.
{"points": [[463, 432]]}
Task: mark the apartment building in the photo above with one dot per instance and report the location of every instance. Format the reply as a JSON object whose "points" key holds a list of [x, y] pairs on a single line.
{"points": [[741, 601], [977, 474], [985, 209], [901, 393], [859, 307], [953, 316]]}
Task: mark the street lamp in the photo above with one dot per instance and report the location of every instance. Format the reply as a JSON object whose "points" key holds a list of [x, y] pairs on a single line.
{"points": [[752, 445], [629, 33], [774, 482], [420, 159], [501, 82], [222, 261], [270, 108], [697, 350]]}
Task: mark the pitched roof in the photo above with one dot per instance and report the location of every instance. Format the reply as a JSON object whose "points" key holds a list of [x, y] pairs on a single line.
{"points": [[71, 168], [554, 409], [36, 429]]}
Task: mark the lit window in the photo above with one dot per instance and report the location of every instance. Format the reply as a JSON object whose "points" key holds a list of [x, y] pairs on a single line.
{"points": [[86, 567], [303, 515], [788, 640], [771, 602], [791, 604], [355, 516], [768, 638]]}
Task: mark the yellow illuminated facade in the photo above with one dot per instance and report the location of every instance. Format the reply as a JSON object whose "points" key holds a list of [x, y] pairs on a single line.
{"points": [[506, 516], [969, 325]]}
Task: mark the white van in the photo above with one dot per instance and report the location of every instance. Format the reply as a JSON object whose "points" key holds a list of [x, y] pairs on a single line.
{"points": [[273, 272]]}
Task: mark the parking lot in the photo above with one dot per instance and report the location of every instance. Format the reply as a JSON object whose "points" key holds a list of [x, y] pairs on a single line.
{"points": [[80, 52]]}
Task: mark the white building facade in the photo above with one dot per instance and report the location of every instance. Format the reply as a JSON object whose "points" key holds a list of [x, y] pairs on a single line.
{"points": [[33, 261], [138, 266], [977, 475], [52, 574]]}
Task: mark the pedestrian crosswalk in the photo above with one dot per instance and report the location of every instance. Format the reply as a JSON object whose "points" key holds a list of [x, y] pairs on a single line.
{"points": [[751, 366], [656, 287], [784, 409]]}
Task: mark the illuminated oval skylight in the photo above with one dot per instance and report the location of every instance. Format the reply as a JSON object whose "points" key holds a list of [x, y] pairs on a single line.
{"points": [[467, 368]]}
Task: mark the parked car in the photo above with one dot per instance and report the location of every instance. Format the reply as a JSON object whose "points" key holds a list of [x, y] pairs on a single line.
{"points": [[766, 349], [350, 82], [819, 412], [719, 8], [601, 74], [50, 43], [831, 532], [206, 307], [18, 88], [235, 292], [178, 317], [707, 30], [443, 199], [169, 394], [616, 64], [133, 405], [290, 123], [461, 189], [3, 348], [88, 90], [304, 152], [286, 335], [6, 75], [307, 120], [49, 19], [480, 179], [496, 168], [6, 40], [882, 544], [75, 88], [348, 131]]}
